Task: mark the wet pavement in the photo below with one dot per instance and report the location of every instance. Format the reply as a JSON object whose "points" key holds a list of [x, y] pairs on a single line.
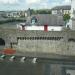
{"points": [[42, 66], [17, 67]]}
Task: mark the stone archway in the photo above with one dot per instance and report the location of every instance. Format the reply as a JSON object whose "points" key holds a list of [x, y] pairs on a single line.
{"points": [[2, 43]]}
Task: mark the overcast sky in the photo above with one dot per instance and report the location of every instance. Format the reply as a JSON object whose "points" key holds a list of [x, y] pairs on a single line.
{"points": [[35, 4]]}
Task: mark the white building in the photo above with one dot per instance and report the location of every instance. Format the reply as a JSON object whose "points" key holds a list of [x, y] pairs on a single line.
{"points": [[44, 22], [73, 14], [71, 23], [61, 9]]}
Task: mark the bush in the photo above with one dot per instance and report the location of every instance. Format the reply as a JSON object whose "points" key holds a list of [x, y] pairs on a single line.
{"points": [[66, 17]]}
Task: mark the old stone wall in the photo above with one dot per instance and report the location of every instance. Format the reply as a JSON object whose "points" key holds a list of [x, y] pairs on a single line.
{"points": [[59, 42]]}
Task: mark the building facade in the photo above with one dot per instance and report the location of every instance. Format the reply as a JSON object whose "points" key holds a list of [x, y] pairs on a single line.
{"points": [[71, 22], [43, 22], [16, 14], [60, 10], [73, 14]]}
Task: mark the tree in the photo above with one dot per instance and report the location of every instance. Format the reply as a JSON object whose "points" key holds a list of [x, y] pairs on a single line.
{"points": [[43, 11], [32, 11], [66, 17], [40, 11]]}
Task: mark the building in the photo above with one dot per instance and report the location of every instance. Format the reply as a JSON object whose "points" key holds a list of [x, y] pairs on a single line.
{"points": [[15, 14], [2, 14], [72, 20], [61, 10], [45, 22], [21, 13], [29, 12], [12, 14]]}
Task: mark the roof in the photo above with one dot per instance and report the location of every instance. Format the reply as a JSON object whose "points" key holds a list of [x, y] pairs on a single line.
{"points": [[51, 20], [66, 7]]}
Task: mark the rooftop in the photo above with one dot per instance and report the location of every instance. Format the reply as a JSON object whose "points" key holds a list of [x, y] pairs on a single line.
{"points": [[66, 7], [46, 19]]}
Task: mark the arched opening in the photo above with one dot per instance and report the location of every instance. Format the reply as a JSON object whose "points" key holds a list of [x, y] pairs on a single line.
{"points": [[2, 42]]}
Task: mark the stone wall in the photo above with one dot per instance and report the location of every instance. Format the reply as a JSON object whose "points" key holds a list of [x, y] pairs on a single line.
{"points": [[57, 46], [55, 42]]}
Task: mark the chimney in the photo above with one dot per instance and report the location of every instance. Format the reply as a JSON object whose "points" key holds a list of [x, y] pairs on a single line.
{"points": [[46, 27]]}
